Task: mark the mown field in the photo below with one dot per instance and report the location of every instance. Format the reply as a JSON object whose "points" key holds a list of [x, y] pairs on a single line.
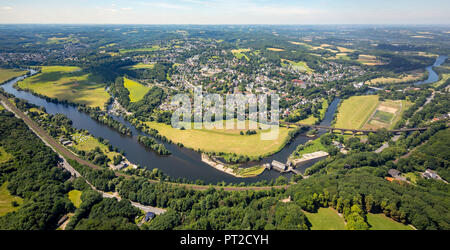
{"points": [[239, 53], [4, 156], [223, 140], [326, 219], [137, 90], [381, 222], [355, 111], [6, 200], [142, 66], [408, 77], [369, 60], [67, 83], [88, 143], [6, 74], [387, 114], [75, 197]]}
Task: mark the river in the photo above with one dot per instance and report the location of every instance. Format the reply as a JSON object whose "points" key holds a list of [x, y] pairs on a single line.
{"points": [[432, 75], [183, 163]]}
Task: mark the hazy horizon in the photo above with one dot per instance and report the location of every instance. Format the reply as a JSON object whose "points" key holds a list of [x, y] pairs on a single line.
{"points": [[226, 12]]}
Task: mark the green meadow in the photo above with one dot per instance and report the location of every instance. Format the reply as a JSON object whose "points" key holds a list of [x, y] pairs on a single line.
{"points": [[381, 222], [6, 200], [325, 219], [355, 111], [7, 74], [137, 90]]}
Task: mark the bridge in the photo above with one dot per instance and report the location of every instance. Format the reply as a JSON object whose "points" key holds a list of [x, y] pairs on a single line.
{"points": [[353, 131]]}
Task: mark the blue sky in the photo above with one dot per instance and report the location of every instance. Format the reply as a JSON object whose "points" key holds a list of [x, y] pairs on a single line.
{"points": [[226, 11]]}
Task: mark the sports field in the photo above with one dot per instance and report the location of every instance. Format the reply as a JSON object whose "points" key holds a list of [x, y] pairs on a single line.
{"points": [[325, 219], [223, 140], [88, 143], [7, 74], [67, 83], [6, 200], [355, 111], [137, 90], [381, 222]]}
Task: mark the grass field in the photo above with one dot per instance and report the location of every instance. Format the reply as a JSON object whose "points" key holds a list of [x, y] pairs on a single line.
{"points": [[239, 53], [137, 90], [311, 120], [444, 79], [142, 66], [308, 148], [325, 219], [5, 200], [381, 222], [408, 77], [4, 156], [300, 66], [6, 74], [369, 60], [67, 83], [275, 49], [355, 111], [1, 107], [387, 114], [75, 197], [88, 143], [153, 48], [250, 172], [223, 140]]}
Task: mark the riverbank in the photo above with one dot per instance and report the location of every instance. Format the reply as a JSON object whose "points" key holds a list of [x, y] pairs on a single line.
{"points": [[233, 171]]}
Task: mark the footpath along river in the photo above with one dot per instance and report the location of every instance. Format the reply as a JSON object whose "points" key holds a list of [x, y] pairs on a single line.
{"points": [[183, 163]]}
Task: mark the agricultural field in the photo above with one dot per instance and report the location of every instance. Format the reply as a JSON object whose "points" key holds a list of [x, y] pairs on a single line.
{"points": [[369, 60], [7, 74], [75, 197], [381, 222], [325, 219], [387, 114], [239, 53], [223, 140], [88, 143], [4, 156], [354, 112], [137, 90], [6, 200], [300, 66], [67, 83], [408, 77]]}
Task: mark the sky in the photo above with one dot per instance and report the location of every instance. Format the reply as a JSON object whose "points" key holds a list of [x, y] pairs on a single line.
{"points": [[225, 11]]}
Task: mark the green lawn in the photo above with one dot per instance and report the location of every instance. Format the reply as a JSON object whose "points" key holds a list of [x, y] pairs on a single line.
{"points": [[75, 197], [5, 200], [153, 48], [142, 66], [354, 112], [381, 222], [137, 90], [223, 140], [4, 156], [300, 66], [326, 219], [6, 74], [67, 83]]}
